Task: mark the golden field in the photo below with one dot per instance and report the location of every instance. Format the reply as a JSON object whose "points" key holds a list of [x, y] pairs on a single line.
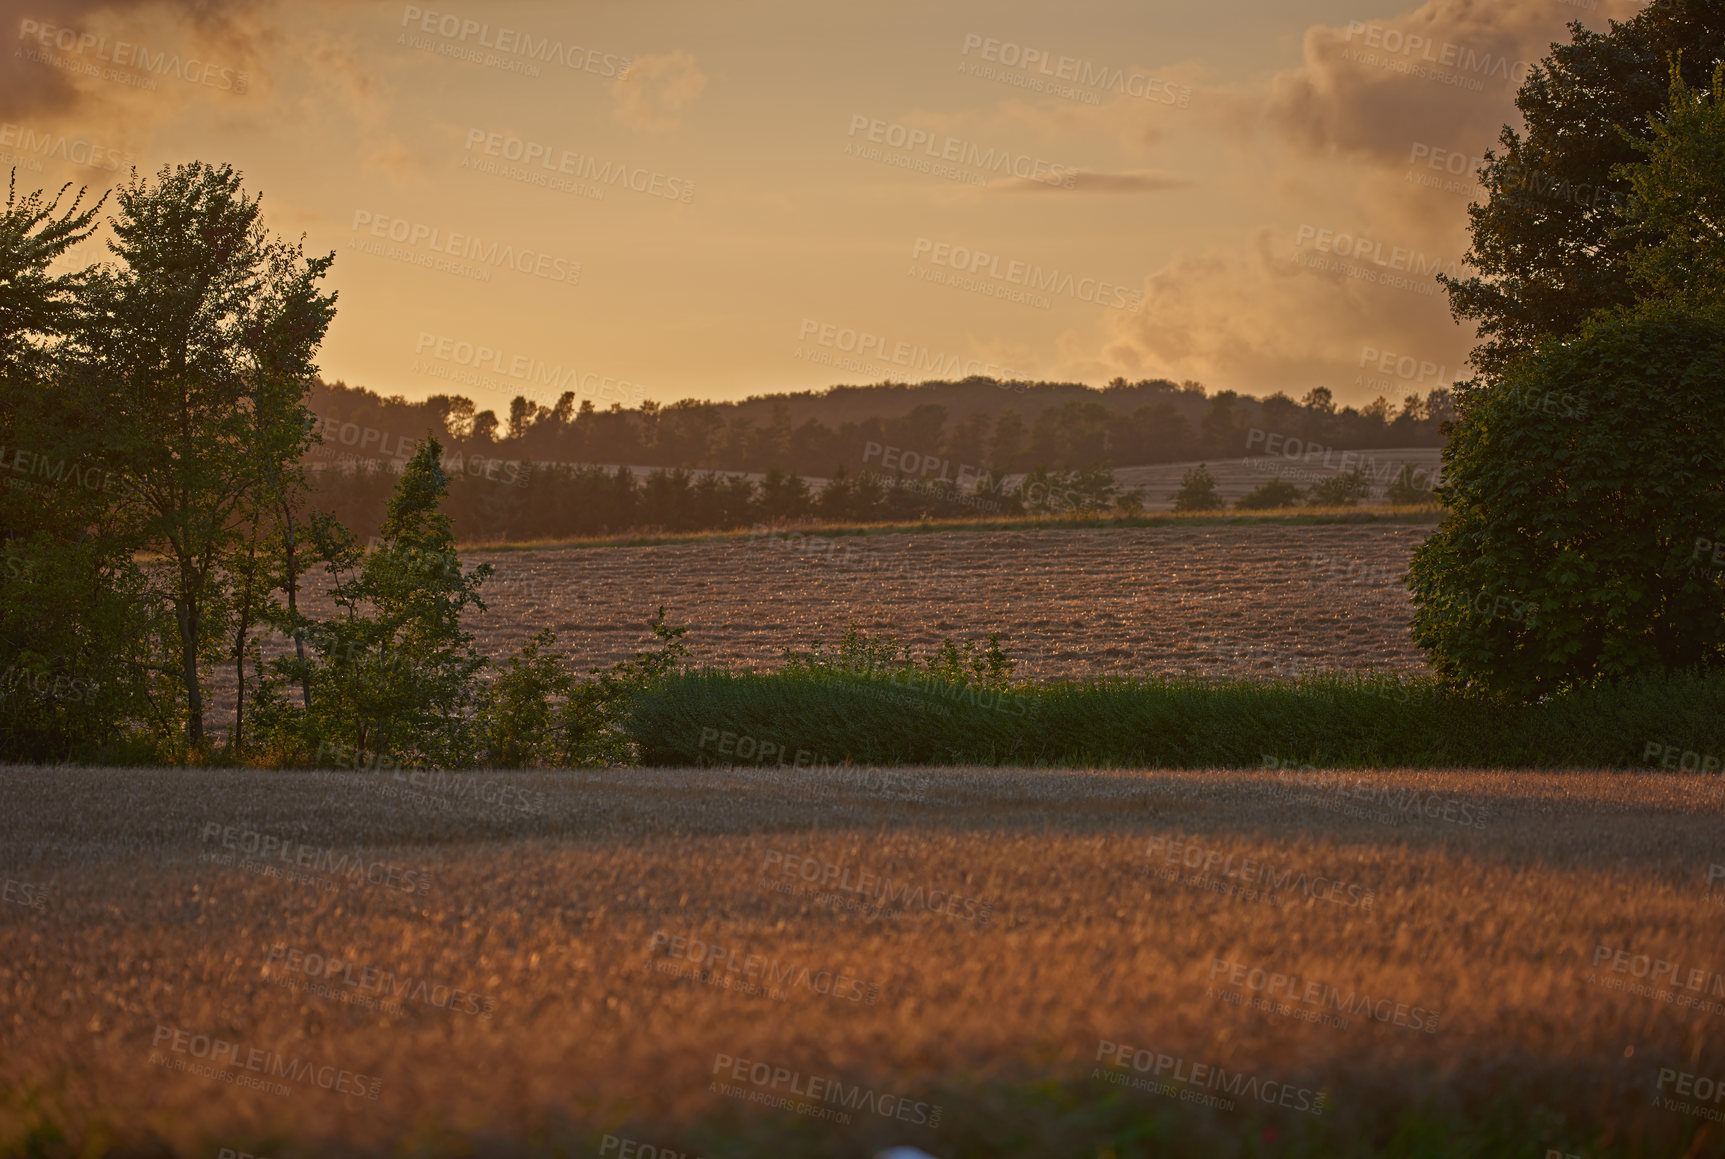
{"points": [[537, 930]]}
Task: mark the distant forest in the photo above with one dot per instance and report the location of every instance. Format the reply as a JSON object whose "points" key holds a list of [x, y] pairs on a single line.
{"points": [[979, 424], [883, 453]]}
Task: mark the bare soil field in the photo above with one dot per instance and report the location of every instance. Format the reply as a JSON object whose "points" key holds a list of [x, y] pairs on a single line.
{"points": [[974, 962], [1262, 599]]}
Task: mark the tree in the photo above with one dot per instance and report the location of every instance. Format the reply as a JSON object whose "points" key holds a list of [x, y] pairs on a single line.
{"points": [[196, 352], [1197, 491], [1677, 198], [1569, 554], [393, 674], [1270, 494], [1006, 449], [1583, 483], [77, 628], [1547, 241]]}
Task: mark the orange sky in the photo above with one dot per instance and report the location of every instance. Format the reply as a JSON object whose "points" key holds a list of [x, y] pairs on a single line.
{"points": [[677, 199]]}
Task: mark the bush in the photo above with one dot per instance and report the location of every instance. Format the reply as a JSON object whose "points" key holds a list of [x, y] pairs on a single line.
{"points": [[1197, 491], [1573, 551], [1270, 494], [1344, 490], [1327, 720]]}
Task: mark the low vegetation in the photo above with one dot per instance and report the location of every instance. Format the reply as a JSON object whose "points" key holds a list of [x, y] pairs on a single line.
{"points": [[868, 702]]}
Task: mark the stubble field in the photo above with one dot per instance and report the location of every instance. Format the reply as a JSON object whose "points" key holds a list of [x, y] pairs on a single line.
{"points": [[975, 962], [1266, 599]]}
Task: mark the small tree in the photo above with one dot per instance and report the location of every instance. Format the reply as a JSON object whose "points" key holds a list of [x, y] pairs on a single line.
{"points": [[1343, 490], [1197, 491], [1270, 494], [393, 673]]}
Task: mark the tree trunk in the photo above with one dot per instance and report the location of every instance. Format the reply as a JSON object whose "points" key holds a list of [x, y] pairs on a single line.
{"points": [[292, 602], [187, 614], [240, 694]]}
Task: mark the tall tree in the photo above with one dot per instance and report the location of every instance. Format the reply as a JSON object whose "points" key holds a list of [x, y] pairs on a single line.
{"points": [[75, 627], [1586, 484], [198, 349], [1547, 241]]}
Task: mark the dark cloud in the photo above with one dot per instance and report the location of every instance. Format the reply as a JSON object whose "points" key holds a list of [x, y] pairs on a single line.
{"points": [[29, 88]]}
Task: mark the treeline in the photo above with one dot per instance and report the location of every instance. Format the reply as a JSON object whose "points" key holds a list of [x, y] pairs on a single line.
{"points": [[977, 424], [491, 499]]}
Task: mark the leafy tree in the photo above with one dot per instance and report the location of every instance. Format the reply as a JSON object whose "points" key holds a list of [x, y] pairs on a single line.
{"points": [[1270, 494], [393, 674], [1590, 515], [1595, 524], [77, 629], [1345, 489], [1677, 198], [1197, 491], [1547, 241], [196, 352]]}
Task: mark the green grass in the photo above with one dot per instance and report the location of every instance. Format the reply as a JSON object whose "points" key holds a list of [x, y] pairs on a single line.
{"points": [[1325, 720]]}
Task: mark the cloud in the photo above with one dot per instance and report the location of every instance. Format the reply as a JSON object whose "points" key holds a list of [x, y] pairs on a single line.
{"points": [[655, 89], [1089, 181], [30, 88], [1446, 71], [1337, 144], [1271, 316]]}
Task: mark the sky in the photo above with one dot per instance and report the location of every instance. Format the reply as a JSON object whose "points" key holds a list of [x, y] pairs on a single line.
{"points": [[693, 200]]}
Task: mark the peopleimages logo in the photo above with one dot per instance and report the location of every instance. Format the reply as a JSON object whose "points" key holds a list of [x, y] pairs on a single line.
{"points": [[223, 1053], [535, 372], [59, 147], [1192, 855], [466, 246], [1187, 1080], [818, 1090], [1012, 272], [1273, 983], [126, 54], [1001, 162], [513, 41], [918, 358], [322, 859]]}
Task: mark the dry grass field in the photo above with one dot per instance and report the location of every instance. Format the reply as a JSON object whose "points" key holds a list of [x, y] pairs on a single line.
{"points": [[539, 950], [1262, 598]]}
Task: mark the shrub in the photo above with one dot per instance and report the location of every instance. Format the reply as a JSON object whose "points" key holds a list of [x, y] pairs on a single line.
{"points": [[1270, 494], [1343, 490], [1197, 491], [1595, 524]]}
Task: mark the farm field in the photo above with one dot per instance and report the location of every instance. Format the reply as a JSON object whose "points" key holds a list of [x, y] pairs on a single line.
{"points": [[1260, 598], [513, 965]]}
